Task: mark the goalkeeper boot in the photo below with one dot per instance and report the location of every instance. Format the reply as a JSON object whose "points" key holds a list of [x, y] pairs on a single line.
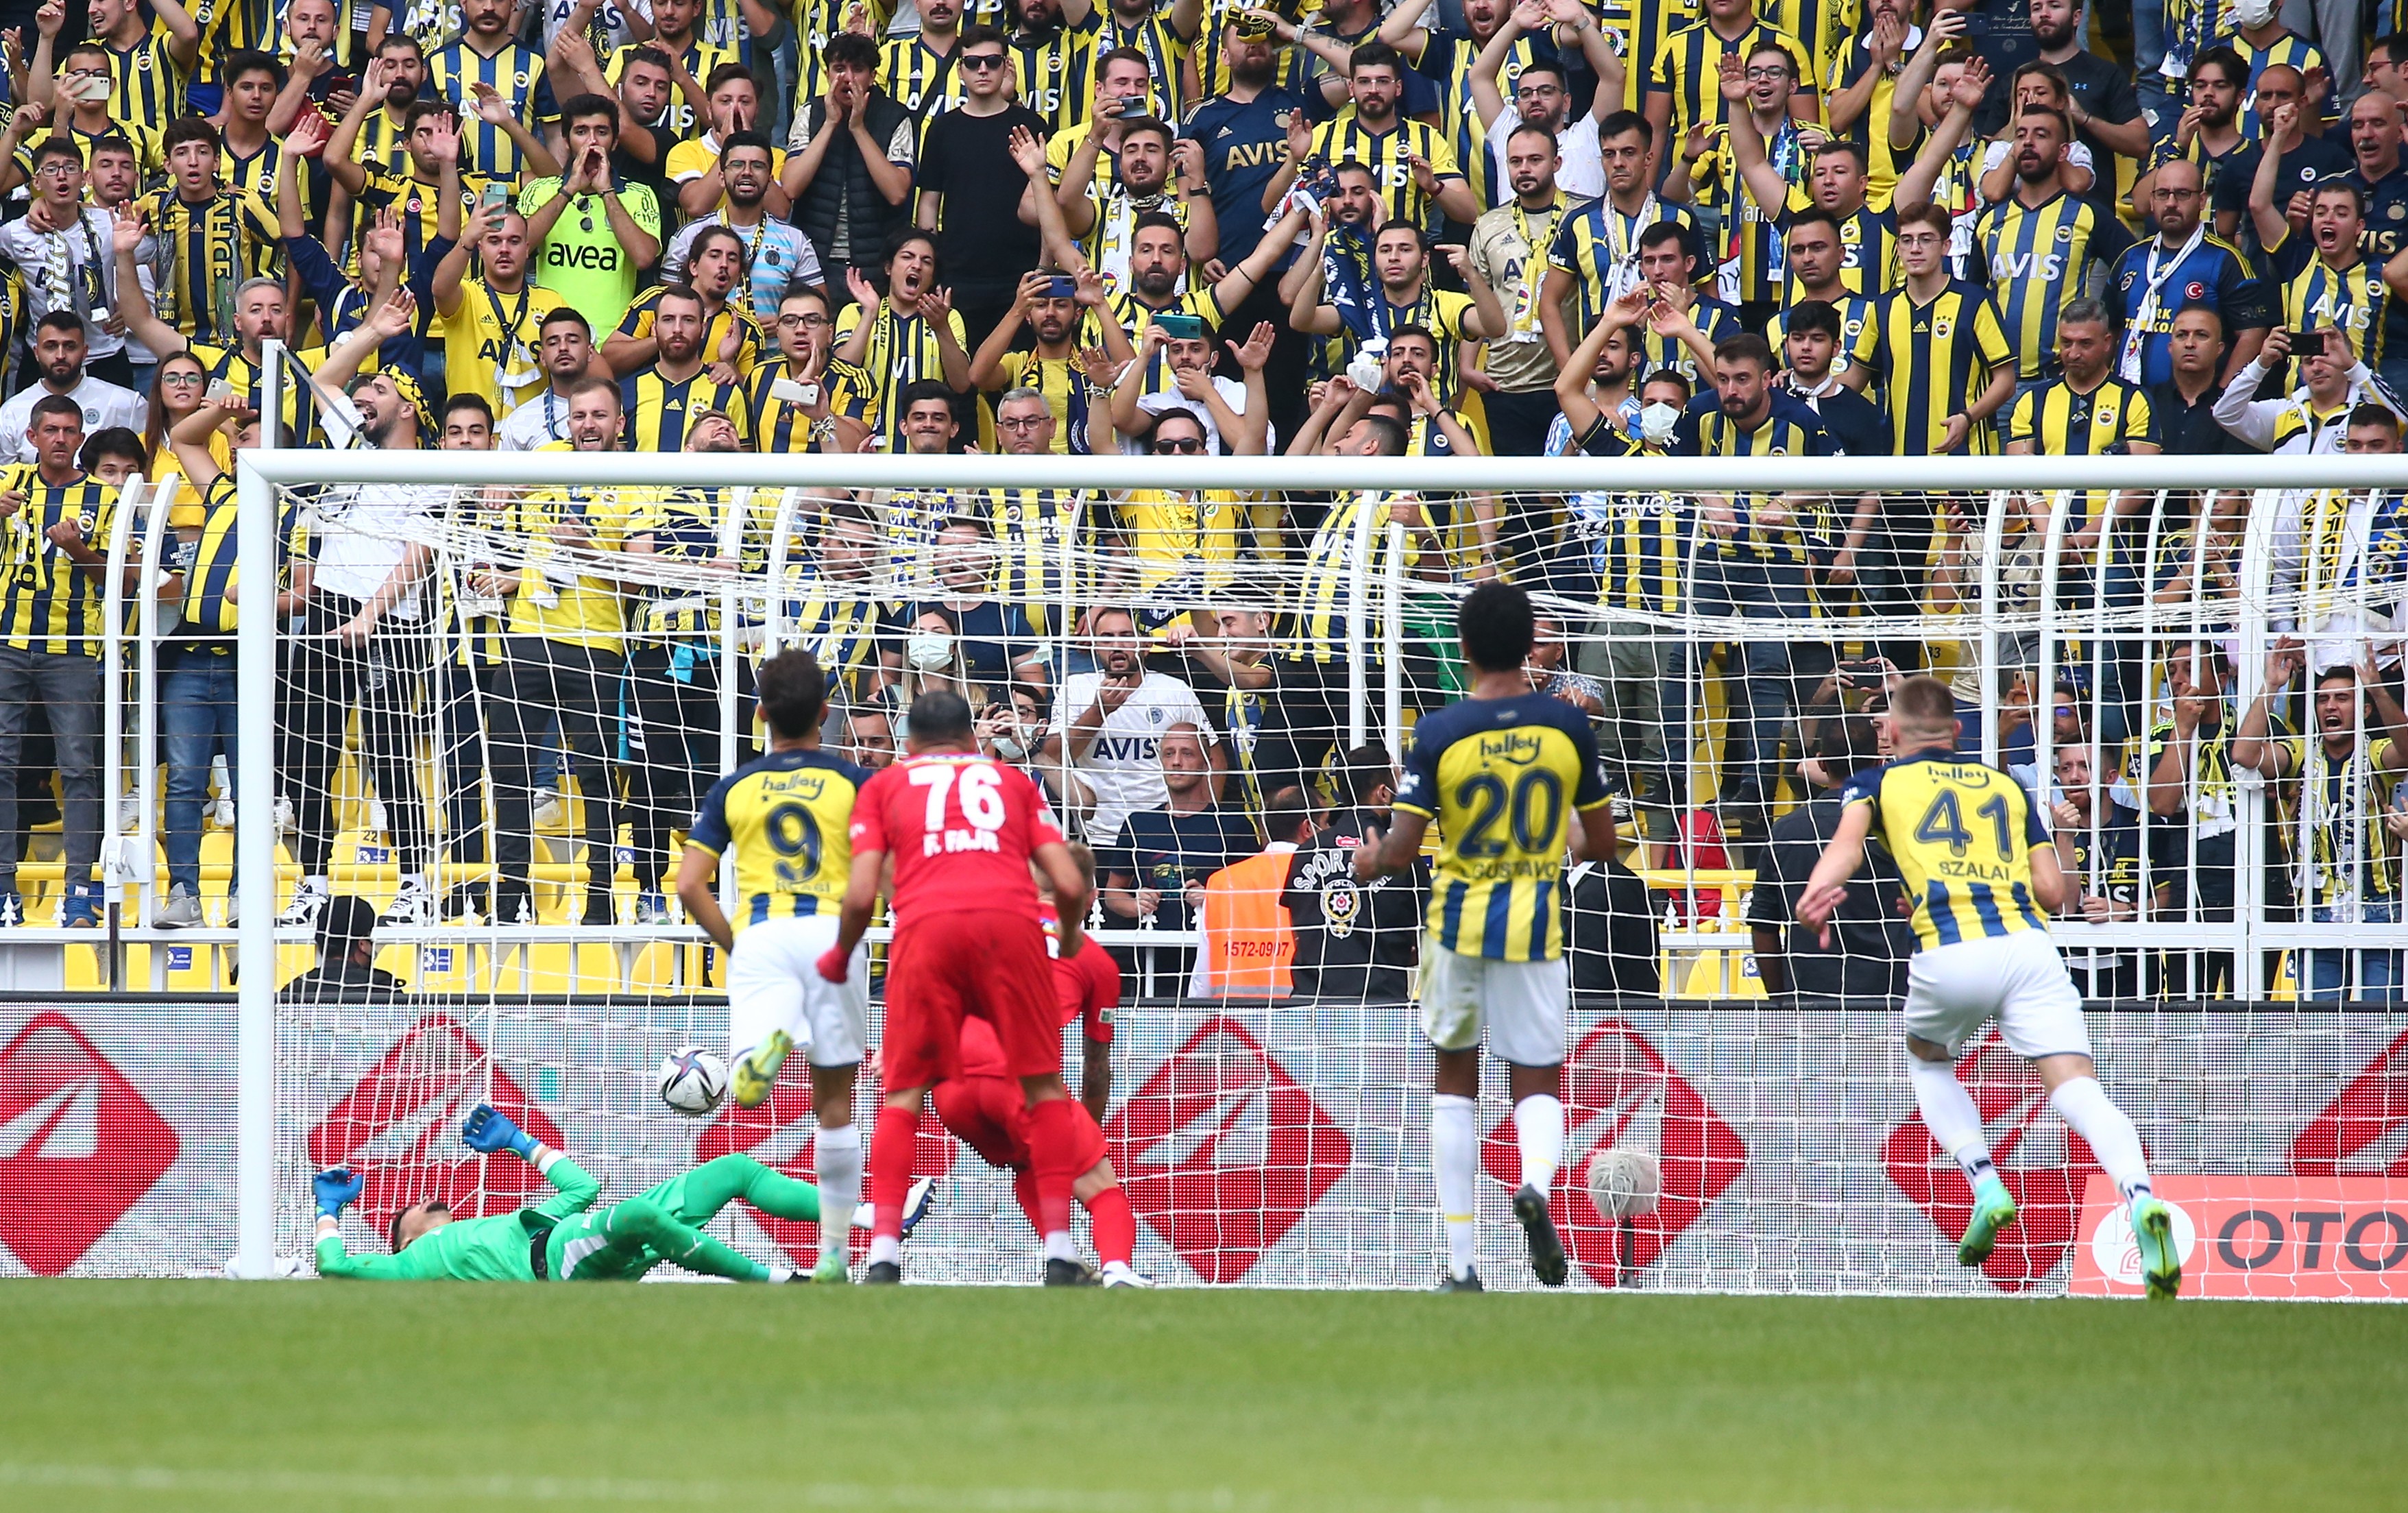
{"points": [[833, 1271], [1538, 1227], [1993, 1210], [2153, 1231], [756, 1070], [1060, 1273], [881, 1274], [1468, 1282]]}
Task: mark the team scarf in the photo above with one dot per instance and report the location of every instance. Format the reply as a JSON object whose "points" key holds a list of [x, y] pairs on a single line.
{"points": [[2136, 341], [1352, 286]]}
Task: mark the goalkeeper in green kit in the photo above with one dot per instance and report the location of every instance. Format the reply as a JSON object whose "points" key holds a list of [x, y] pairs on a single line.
{"points": [[560, 1239]]}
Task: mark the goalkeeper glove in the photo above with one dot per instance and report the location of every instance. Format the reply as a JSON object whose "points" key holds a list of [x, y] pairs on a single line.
{"points": [[834, 963], [337, 1190], [490, 1131]]}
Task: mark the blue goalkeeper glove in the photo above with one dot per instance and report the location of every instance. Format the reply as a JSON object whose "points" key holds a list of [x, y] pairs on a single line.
{"points": [[490, 1130], [337, 1190]]}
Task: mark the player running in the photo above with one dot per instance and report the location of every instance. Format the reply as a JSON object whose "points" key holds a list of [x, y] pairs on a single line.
{"points": [[1502, 772], [558, 1239], [963, 831], [985, 1110], [1983, 877], [785, 818]]}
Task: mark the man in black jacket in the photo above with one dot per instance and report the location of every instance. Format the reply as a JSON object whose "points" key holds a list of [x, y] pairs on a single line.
{"points": [[1871, 940], [1355, 940], [849, 164]]}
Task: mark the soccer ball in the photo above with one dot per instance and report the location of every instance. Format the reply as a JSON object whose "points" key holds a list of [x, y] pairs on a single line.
{"points": [[692, 1081]]}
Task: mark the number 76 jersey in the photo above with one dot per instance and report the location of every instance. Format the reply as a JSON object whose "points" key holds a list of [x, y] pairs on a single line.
{"points": [[1962, 834], [785, 818], [960, 829], [1502, 777]]}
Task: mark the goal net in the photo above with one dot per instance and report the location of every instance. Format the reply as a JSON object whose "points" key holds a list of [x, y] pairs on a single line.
{"points": [[494, 719]]}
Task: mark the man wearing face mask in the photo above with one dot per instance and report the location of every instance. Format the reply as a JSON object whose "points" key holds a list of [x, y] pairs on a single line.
{"points": [[1355, 940], [991, 642], [1109, 723]]}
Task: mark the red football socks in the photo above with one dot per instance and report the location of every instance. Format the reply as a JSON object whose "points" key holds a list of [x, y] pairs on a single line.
{"points": [[891, 1151], [1053, 1147], [1115, 1225]]}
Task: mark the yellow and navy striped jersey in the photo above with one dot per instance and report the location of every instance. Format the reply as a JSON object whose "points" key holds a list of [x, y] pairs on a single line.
{"points": [[1824, 27], [1962, 835], [777, 426], [204, 252], [1442, 310], [1317, 628], [1211, 56], [734, 320], [2290, 48], [1657, 351], [787, 816], [209, 605], [1166, 57], [1597, 244], [1136, 316], [146, 88], [1035, 530], [1868, 253], [382, 143], [1502, 778], [903, 349], [682, 526], [1389, 156], [2319, 297], [1637, 30], [1689, 69], [815, 22], [46, 603], [1639, 543], [150, 156], [300, 417], [1056, 74], [846, 632], [1883, 162], [229, 27], [517, 74], [1459, 118], [2348, 854], [1789, 430], [659, 410], [700, 59], [2036, 256], [1857, 326], [555, 600], [921, 80], [1066, 393], [1172, 531], [2062, 423], [415, 203], [1932, 361]]}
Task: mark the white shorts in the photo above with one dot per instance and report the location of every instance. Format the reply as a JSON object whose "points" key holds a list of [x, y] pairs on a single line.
{"points": [[773, 982], [2018, 978], [1522, 1005]]}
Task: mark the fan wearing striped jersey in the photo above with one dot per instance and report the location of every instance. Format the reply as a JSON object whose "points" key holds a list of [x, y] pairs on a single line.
{"points": [[784, 820], [1504, 774], [1982, 878]]}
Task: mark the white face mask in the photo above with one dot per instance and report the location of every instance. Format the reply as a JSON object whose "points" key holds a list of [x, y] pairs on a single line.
{"points": [[930, 651], [2253, 13], [1657, 422]]}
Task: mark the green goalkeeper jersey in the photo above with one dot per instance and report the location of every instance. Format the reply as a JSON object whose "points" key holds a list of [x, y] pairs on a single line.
{"points": [[494, 1250]]}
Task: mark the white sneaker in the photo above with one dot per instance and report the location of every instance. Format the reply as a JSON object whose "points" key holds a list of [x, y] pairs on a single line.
{"points": [[179, 909], [551, 812], [221, 813], [306, 905], [233, 913], [1120, 1274], [412, 907]]}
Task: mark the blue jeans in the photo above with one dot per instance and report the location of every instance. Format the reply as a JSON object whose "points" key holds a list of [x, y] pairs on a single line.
{"points": [[2378, 971], [198, 711]]}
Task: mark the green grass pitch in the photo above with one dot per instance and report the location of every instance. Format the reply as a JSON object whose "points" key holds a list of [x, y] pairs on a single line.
{"points": [[208, 1396]]}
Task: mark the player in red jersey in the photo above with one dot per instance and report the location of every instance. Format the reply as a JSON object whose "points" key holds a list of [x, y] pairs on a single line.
{"points": [[963, 831], [986, 1111]]}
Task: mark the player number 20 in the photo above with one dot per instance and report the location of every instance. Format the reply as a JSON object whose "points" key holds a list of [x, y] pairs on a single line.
{"points": [[981, 793], [1944, 823], [1536, 805]]}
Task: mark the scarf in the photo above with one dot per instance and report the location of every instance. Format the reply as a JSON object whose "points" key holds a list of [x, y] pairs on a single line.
{"points": [[1352, 286], [2136, 339]]}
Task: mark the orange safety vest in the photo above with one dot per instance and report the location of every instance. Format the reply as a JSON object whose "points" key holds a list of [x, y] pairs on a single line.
{"points": [[1249, 944]]}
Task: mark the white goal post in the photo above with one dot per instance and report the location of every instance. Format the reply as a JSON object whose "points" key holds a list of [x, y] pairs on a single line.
{"points": [[1806, 1099]]}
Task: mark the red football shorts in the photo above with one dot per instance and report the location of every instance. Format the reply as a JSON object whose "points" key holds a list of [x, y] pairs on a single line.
{"points": [[988, 962], [990, 1114]]}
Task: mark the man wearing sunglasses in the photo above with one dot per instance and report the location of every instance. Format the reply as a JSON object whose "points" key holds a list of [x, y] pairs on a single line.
{"points": [[971, 187]]}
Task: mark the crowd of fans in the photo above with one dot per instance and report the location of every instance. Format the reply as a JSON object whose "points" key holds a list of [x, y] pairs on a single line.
{"points": [[1047, 226]]}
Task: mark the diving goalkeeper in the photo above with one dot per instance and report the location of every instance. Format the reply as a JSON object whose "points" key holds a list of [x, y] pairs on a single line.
{"points": [[559, 1239]]}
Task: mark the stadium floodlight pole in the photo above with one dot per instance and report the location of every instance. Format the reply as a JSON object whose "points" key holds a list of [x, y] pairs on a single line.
{"points": [[254, 836]]}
